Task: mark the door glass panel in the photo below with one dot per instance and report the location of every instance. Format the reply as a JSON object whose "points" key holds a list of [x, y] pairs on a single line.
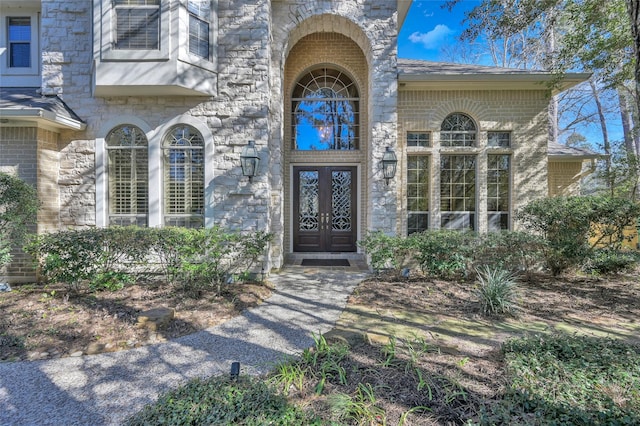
{"points": [[309, 203], [341, 201]]}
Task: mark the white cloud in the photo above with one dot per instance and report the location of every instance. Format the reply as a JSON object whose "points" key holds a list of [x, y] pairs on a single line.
{"points": [[434, 38]]}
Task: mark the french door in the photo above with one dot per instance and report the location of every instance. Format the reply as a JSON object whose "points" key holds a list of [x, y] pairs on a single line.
{"points": [[324, 208]]}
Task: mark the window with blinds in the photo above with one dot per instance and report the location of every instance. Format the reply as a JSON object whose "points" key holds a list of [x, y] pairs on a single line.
{"points": [[127, 153], [199, 27], [183, 155], [137, 24]]}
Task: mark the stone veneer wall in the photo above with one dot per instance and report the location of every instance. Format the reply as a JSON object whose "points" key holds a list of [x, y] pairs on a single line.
{"points": [[18, 158], [253, 40], [564, 178], [237, 114], [523, 113]]}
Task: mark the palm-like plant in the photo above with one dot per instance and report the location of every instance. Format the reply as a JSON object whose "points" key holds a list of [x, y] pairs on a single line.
{"points": [[497, 291]]}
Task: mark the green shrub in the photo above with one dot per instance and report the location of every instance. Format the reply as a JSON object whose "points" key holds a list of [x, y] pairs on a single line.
{"points": [[18, 210], [497, 291], [220, 401], [209, 257], [566, 225], [444, 253], [609, 261], [517, 252], [110, 258], [97, 256], [387, 251]]}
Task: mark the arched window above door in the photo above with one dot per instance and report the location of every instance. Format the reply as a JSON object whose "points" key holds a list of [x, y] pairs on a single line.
{"points": [[325, 111], [458, 130]]}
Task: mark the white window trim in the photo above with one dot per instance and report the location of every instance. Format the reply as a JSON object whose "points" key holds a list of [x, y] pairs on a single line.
{"points": [[155, 188], [181, 22], [104, 24], [35, 67]]}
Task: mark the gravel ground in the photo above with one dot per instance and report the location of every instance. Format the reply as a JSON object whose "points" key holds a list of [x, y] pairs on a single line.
{"points": [[105, 389]]}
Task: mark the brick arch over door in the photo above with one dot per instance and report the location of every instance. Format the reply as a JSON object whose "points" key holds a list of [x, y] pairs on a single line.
{"points": [[332, 51]]}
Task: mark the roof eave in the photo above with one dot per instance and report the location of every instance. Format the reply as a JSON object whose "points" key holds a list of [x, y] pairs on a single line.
{"points": [[570, 157], [480, 81], [40, 115], [403, 7]]}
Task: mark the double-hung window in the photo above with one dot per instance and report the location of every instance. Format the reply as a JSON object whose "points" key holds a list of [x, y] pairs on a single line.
{"points": [[199, 28], [19, 41]]}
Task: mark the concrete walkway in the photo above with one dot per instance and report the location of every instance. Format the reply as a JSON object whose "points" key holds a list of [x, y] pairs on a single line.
{"points": [[105, 389]]}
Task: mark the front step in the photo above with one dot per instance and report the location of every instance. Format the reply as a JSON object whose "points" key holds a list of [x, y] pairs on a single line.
{"points": [[357, 261]]}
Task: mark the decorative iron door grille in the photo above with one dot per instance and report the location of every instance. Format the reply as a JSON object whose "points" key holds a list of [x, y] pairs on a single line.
{"points": [[324, 212]]}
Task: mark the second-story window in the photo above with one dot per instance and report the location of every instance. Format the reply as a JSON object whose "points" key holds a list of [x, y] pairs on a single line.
{"points": [[199, 27], [19, 38], [137, 24]]}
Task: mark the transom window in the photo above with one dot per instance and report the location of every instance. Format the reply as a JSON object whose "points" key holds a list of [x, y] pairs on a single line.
{"points": [[199, 27], [19, 40], [127, 153], [419, 139], [137, 24], [183, 153], [458, 191], [417, 193], [458, 130], [499, 139], [325, 111]]}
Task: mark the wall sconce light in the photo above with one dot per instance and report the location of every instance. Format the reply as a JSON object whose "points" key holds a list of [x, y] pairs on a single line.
{"points": [[249, 160], [389, 163]]}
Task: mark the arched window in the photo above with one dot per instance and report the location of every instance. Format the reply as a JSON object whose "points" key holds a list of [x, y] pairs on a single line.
{"points": [[183, 155], [325, 111], [458, 130], [127, 154]]}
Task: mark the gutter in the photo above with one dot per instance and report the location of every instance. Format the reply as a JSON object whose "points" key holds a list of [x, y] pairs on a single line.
{"points": [[38, 114]]}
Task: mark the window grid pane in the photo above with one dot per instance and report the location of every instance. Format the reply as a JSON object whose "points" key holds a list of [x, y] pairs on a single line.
{"points": [[499, 139], [183, 152], [458, 191], [419, 139], [498, 191], [19, 35], [127, 155], [417, 193]]}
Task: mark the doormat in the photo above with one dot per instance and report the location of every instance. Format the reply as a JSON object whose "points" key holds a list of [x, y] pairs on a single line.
{"points": [[325, 262]]}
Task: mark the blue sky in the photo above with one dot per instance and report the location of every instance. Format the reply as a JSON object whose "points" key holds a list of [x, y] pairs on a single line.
{"points": [[429, 27]]}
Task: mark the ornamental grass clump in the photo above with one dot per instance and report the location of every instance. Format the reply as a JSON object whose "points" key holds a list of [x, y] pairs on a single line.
{"points": [[497, 291]]}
